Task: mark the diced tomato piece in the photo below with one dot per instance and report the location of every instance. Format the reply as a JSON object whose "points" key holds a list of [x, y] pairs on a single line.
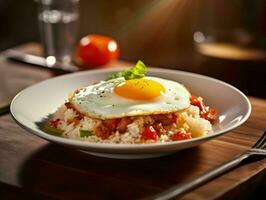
{"points": [[197, 101], [210, 115], [207, 113], [149, 133], [181, 135]]}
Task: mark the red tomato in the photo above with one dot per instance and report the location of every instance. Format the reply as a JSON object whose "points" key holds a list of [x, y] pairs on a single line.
{"points": [[96, 50], [181, 135], [149, 133]]}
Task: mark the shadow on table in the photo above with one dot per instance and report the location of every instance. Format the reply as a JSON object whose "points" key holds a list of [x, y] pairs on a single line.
{"points": [[60, 172]]}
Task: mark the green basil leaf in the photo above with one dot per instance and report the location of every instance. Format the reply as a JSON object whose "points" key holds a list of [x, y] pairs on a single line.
{"points": [[139, 69], [136, 72]]}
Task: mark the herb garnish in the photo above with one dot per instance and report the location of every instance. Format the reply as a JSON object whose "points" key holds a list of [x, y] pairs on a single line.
{"points": [[52, 130], [85, 133], [136, 72]]}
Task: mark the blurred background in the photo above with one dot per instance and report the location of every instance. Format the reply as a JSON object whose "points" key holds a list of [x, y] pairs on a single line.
{"points": [[222, 39]]}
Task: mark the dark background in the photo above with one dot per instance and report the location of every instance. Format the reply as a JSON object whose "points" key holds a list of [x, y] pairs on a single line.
{"points": [[160, 32]]}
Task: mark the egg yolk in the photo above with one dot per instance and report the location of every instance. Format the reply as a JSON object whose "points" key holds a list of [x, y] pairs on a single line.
{"points": [[139, 89]]}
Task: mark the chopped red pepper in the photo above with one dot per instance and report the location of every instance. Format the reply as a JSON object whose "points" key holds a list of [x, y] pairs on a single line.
{"points": [[207, 113], [210, 115], [149, 133], [181, 135], [197, 101]]}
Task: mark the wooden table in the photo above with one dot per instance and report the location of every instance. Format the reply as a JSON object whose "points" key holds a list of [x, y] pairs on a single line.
{"points": [[34, 168]]}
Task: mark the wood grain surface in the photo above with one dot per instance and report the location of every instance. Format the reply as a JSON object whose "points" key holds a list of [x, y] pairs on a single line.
{"points": [[33, 168]]}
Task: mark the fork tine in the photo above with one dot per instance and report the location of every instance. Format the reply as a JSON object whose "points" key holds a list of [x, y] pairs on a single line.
{"points": [[261, 141]]}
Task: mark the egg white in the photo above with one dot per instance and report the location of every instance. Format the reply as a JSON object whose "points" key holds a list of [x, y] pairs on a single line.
{"points": [[100, 101]]}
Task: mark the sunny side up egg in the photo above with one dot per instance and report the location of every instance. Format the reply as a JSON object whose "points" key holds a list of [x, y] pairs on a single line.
{"points": [[118, 98]]}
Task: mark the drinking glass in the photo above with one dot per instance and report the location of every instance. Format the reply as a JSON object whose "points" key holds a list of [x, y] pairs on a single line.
{"points": [[58, 23]]}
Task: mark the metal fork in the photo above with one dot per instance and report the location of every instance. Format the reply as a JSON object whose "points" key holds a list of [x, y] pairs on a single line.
{"points": [[177, 190]]}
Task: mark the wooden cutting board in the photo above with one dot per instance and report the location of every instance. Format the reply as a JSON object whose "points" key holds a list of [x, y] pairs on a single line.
{"points": [[34, 168]]}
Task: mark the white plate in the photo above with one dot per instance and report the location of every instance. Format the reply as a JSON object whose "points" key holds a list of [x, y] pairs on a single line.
{"points": [[34, 103]]}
